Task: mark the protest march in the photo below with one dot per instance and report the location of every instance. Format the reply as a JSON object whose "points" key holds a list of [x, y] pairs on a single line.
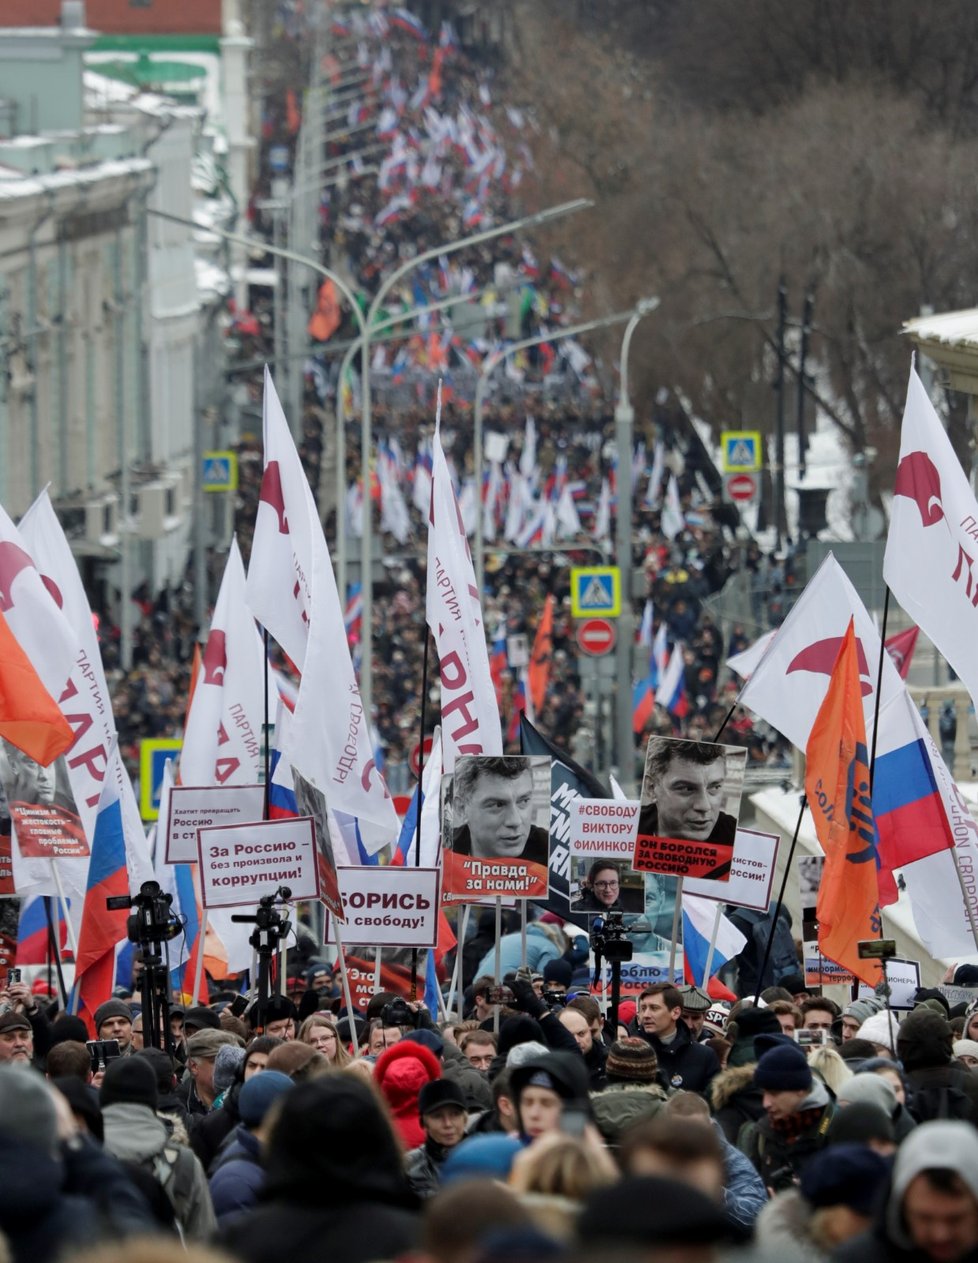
{"points": [[470, 898]]}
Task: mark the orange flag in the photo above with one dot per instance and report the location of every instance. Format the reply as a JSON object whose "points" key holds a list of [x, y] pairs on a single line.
{"points": [[29, 715], [543, 651], [837, 786]]}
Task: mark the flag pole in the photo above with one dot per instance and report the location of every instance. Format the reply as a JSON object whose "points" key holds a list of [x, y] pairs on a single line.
{"points": [[726, 719], [199, 970], [677, 913], [264, 632], [498, 961], [455, 986], [70, 929], [777, 906], [344, 976], [879, 685], [417, 823], [711, 950], [54, 952]]}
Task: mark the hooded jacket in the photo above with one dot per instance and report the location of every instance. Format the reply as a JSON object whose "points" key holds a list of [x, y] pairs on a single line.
{"points": [[400, 1073], [238, 1176], [567, 1072], [932, 1146], [940, 1089], [334, 1173], [780, 1159], [133, 1133], [735, 1100]]}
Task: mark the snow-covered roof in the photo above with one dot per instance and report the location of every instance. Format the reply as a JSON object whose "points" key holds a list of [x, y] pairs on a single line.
{"points": [[954, 328]]}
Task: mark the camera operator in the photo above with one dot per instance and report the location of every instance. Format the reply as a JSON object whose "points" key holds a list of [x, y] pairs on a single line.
{"points": [[19, 1005], [525, 1000]]}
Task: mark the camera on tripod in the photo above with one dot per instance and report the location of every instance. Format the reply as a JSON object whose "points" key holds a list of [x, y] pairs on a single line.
{"points": [[270, 924], [609, 938], [154, 920]]}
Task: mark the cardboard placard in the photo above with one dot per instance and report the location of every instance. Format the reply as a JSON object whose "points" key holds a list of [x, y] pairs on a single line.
{"points": [[755, 858], [389, 907], [603, 828], [690, 805], [904, 979], [495, 818], [194, 807], [819, 971], [240, 864], [600, 886]]}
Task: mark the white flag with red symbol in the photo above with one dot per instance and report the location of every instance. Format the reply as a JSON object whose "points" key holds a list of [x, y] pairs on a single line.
{"points": [[223, 740], [292, 590], [931, 559]]}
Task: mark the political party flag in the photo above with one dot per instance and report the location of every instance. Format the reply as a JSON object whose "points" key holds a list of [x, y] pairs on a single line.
{"points": [[672, 518], [788, 685], [837, 787], [102, 929], [900, 647], [932, 545], [29, 715], [699, 916], [425, 800], [469, 711], [540, 659], [85, 702], [222, 741], [292, 590]]}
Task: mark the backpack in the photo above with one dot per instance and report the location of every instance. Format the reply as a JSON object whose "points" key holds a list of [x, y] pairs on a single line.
{"points": [[167, 1181]]}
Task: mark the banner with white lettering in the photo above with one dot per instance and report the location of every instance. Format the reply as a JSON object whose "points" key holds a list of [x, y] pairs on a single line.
{"points": [[755, 857], [389, 906], [496, 827], [242, 863], [193, 807]]}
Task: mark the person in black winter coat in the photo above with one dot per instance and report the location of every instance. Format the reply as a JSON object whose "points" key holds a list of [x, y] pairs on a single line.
{"points": [[683, 1063], [334, 1173], [441, 1108], [939, 1089]]}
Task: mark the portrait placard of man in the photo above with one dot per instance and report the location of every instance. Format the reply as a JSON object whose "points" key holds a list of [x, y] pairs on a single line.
{"points": [[496, 810], [689, 807]]}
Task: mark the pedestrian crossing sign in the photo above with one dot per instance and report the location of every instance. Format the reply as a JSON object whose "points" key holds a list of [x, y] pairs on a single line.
{"points": [[153, 754], [595, 590], [741, 451], [220, 471]]}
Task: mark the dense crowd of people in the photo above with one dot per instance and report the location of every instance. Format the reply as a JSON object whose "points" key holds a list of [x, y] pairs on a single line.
{"points": [[522, 1125]]}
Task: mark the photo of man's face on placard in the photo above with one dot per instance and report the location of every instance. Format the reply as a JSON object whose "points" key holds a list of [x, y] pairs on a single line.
{"points": [[498, 811], [496, 826], [691, 793]]}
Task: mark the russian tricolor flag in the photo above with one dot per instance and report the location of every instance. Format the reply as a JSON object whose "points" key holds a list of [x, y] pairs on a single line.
{"points": [[672, 691], [102, 930], [32, 929], [406, 20], [699, 920], [643, 703]]}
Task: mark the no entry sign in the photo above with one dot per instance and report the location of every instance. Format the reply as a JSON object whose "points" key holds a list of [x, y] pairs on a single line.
{"points": [[596, 637], [742, 488]]}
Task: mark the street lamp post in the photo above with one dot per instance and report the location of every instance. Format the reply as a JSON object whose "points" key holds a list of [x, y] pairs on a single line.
{"points": [[364, 324], [489, 366], [624, 423]]}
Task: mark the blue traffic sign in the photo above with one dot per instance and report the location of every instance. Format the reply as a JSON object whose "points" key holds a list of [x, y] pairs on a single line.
{"points": [[595, 590]]}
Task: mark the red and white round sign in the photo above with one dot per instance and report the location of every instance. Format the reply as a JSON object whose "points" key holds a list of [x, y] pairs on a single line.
{"points": [[596, 637], [741, 487]]}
